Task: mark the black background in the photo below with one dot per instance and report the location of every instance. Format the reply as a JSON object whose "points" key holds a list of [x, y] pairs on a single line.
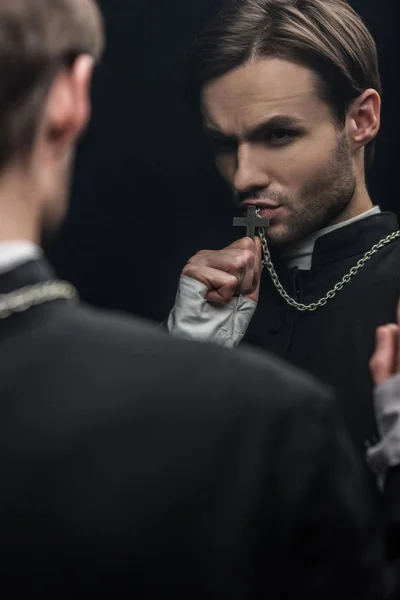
{"points": [[146, 195]]}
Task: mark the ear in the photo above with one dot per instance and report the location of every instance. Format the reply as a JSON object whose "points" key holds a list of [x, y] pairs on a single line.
{"points": [[68, 105], [364, 119]]}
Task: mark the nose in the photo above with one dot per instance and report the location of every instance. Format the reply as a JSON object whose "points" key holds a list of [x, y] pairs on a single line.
{"points": [[251, 174]]}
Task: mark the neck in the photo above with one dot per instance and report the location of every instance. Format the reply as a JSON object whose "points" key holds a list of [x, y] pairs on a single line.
{"points": [[360, 204], [19, 215]]}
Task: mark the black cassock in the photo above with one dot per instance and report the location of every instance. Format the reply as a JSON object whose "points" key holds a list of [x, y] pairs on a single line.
{"points": [[335, 342], [170, 468]]}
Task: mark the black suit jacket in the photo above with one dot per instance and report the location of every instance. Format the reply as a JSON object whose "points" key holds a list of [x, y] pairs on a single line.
{"points": [[132, 459], [336, 342]]}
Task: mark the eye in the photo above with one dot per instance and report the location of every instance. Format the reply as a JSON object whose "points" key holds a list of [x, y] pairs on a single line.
{"points": [[280, 136]]}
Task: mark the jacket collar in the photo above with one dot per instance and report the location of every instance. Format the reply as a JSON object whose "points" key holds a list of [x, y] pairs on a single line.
{"points": [[353, 240], [30, 273]]}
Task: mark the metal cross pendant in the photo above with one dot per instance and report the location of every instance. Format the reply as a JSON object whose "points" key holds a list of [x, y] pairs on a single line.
{"points": [[251, 221]]}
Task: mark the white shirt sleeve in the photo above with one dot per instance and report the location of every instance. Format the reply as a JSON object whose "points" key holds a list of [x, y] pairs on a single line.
{"points": [[386, 453], [193, 317]]}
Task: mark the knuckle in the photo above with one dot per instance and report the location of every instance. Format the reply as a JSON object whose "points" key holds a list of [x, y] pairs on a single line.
{"points": [[198, 258], [249, 257], [238, 262], [247, 244], [242, 260], [188, 270], [233, 282]]}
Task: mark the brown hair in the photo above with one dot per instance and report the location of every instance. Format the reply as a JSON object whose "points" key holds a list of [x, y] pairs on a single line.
{"points": [[326, 36], [37, 37]]}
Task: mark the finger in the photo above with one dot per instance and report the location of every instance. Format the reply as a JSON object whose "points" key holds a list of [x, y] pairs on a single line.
{"points": [[199, 256], [245, 243], [259, 257], [247, 283], [221, 296], [383, 361], [394, 333], [239, 262], [203, 253], [224, 284], [254, 292], [233, 261], [250, 277], [242, 244]]}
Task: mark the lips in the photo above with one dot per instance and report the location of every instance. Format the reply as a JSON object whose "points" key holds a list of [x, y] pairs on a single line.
{"points": [[267, 210], [260, 205], [270, 213]]}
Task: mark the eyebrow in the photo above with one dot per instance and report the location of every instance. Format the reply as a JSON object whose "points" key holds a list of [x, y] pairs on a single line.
{"points": [[263, 129]]}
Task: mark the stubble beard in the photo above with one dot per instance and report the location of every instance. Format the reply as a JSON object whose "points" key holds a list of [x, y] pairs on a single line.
{"points": [[321, 200]]}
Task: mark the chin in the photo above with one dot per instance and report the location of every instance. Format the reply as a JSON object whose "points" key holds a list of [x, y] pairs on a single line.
{"points": [[279, 236], [292, 231]]}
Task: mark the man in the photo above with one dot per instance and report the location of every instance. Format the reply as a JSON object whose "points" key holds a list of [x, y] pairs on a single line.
{"points": [[290, 97], [127, 457]]}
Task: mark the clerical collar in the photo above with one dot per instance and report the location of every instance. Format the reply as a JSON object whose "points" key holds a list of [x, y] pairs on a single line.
{"points": [[16, 253], [300, 255]]}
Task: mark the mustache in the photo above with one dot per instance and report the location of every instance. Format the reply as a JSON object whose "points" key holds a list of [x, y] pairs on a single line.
{"points": [[263, 196]]}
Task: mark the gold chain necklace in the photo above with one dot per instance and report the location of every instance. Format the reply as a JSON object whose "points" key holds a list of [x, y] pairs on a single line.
{"points": [[23, 299], [267, 262]]}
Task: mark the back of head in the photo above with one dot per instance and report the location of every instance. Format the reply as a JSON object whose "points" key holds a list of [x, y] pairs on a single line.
{"points": [[37, 37], [326, 36]]}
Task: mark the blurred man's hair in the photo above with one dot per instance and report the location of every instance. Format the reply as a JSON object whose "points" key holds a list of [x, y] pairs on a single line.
{"points": [[37, 37], [326, 36]]}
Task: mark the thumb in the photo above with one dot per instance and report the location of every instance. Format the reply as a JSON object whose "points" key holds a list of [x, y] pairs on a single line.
{"points": [[255, 293], [259, 254]]}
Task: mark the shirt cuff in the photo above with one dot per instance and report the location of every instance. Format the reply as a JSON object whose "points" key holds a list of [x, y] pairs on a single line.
{"points": [[193, 317]]}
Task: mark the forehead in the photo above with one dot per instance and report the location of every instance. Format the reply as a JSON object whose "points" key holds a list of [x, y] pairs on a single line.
{"points": [[259, 90]]}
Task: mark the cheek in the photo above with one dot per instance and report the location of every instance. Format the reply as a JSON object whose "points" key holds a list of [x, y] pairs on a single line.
{"points": [[226, 165], [297, 165]]}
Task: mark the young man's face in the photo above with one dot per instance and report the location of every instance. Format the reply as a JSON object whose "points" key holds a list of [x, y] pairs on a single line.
{"points": [[277, 145]]}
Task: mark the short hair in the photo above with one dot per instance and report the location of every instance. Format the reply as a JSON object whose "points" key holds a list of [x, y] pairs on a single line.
{"points": [[37, 37], [326, 36]]}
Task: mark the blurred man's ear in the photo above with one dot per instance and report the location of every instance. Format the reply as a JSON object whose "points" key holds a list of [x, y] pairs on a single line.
{"points": [[68, 107]]}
